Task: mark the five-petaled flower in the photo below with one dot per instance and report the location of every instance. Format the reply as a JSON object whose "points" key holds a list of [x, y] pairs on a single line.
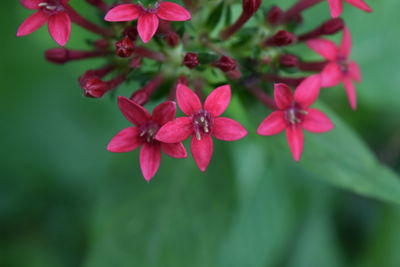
{"points": [[202, 123], [294, 114], [337, 6], [51, 11], [340, 68], [143, 135], [148, 18]]}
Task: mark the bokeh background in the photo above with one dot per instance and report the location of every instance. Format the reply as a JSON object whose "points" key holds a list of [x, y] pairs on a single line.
{"points": [[66, 201]]}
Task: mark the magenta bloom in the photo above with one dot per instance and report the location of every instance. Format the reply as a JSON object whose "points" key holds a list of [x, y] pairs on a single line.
{"points": [[51, 11], [148, 18], [337, 6], [294, 114], [202, 123], [340, 68], [143, 134]]}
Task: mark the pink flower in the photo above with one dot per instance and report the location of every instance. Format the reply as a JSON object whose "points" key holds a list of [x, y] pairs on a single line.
{"points": [[202, 123], [340, 68], [337, 6], [51, 11], [148, 18], [294, 114], [143, 134]]}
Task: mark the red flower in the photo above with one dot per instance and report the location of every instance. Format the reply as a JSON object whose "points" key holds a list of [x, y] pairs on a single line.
{"points": [[294, 114], [340, 68], [143, 134], [51, 11], [148, 18], [202, 123], [337, 6]]}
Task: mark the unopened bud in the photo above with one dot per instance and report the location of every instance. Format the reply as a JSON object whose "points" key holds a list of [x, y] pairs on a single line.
{"points": [[288, 60], [57, 55], [281, 38], [172, 38], [191, 60], [275, 15], [124, 47], [332, 26], [94, 87], [140, 97], [225, 64], [251, 6]]}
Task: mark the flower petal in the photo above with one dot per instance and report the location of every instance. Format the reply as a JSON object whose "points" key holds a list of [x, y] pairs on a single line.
{"points": [[354, 71], [317, 122], [60, 27], [273, 124], [133, 112], [345, 47], [228, 130], [218, 100], [308, 90], [325, 48], [32, 23], [336, 7], [176, 150], [331, 75], [351, 92], [175, 131], [147, 26], [359, 4], [31, 4], [283, 95], [188, 101], [202, 151], [172, 12], [164, 112], [295, 138], [125, 12], [150, 158], [126, 140]]}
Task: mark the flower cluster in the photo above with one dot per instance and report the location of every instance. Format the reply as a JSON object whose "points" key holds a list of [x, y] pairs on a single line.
{"points": [[165, 48]]}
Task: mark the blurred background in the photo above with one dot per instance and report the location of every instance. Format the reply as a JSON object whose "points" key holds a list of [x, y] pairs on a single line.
{"points": [[66, 201]]}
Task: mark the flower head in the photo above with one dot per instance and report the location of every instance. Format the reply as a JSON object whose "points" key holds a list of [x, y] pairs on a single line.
{"points": [[148, 18], [294, 114], [201, 123], [143, 133], [51, 11], [340, 68], [337, 6]]}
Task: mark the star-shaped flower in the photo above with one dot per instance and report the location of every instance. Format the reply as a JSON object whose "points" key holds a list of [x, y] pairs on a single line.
{"points": [[51, 11], [202, 123], [294, 114], [143, 135], [148, 18], [337, 6], [340, 68]]}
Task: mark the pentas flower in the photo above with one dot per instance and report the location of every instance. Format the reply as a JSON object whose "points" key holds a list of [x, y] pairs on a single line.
{"points": [[143, 135], [148, 18], [202, 123], [294, 114], [340, 68], [337, 6], [51, 11]]}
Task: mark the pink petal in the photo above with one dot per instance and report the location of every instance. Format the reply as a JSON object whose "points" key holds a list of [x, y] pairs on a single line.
{"points": [[331, 75], [295, 138], [31, 4], [308, 90], [150, 158], [273, 124], [202, 151], [126, 140], [351, 92], [125, 12], [345, 47], [228, 130], [133, 112], [60, 27], [218, 100], [336, 7], [359, 4], [354, 71], [164, 112], [172, 12], [317, 122], [175, 131], [33, 23], [176, 150], [325, 48], [188, 101], [147, 26], [283, 95]]}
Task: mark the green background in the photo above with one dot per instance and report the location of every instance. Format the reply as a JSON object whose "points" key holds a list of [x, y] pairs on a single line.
{"points": [[66, 201]]}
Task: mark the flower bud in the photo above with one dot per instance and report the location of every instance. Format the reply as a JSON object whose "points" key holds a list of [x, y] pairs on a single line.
{"points": [[191, 60], [94, 87], [288, 60], [57, 55], [275, 15], [140, 97], [332, 26], [225, 64], [172, 38], [250, 6], [281, 38], [124, 47]]}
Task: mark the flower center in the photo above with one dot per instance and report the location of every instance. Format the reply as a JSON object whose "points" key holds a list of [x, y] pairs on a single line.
{"points": [[202, 123], [51, 6], [295, 114], [344, 64], [148, 131]]}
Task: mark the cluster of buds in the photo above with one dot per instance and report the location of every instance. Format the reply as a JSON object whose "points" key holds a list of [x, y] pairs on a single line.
{"points": [[166, 49]]}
